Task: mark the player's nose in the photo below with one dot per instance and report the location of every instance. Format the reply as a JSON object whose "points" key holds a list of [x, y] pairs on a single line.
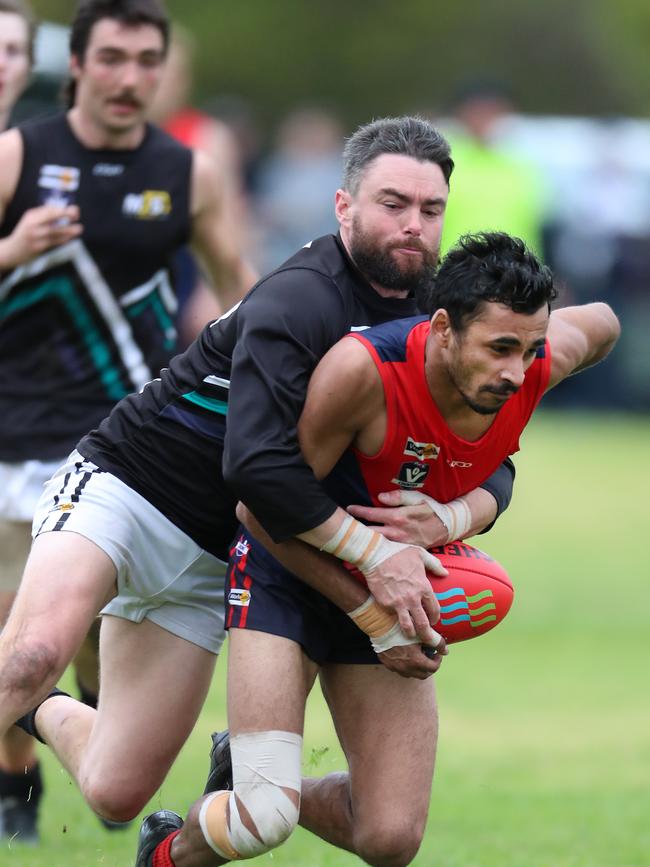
{"points": [[412, 222], [514, 373]]}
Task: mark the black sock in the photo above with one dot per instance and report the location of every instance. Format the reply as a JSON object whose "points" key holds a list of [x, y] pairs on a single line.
{"points": [[24, 786], [27, 723], [87, 696]]}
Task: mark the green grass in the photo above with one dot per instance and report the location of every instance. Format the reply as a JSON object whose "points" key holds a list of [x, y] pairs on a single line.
{"points": [[544, 757]]}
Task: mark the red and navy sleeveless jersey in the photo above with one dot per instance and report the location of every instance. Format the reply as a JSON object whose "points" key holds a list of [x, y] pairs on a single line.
{"points": [[420, 452]]}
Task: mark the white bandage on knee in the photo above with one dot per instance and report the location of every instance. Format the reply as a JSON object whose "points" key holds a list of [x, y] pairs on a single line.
{"points": [[263, 764]]}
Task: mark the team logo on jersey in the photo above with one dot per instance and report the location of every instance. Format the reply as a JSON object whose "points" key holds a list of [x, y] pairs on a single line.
{"points": [[421, 451], [412, 475], [239, 597], [65, 179], [148, 205]]}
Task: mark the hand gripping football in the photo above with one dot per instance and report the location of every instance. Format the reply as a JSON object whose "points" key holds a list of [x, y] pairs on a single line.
{"points": [[474, 597]]}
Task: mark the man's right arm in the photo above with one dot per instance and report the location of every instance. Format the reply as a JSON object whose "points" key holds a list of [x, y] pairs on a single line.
{"points": [[39, 228]]}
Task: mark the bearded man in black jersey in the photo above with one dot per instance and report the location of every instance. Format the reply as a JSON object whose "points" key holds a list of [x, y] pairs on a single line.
{"points": [[93, 203], [140, 520]]}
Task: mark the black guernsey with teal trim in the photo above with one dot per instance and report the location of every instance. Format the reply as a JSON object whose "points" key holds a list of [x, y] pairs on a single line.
{"points": [[228, 407], [85, 324]]}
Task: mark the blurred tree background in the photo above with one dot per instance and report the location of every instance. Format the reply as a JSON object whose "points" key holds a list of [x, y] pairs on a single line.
{"points": [[373, 57]]}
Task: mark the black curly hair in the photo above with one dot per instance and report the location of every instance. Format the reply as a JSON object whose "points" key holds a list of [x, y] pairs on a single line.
{"points": [[489, 266]]}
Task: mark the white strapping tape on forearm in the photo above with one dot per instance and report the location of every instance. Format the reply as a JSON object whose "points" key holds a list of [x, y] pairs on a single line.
{"points": [[360, 545], [456, 516], [264, 763]]}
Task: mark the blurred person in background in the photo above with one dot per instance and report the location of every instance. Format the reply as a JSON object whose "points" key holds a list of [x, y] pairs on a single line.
{"points": [[171, 109], [20, 775], [296, 184], [93, 202], [492, 189], [17, 32]]}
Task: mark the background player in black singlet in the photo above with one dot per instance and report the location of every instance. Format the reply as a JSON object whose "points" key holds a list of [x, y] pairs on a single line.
{"points": [[93, 204]]}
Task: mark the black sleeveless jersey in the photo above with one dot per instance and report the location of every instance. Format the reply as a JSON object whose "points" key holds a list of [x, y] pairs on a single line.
{"points": [[229, 406], [85, 324]]}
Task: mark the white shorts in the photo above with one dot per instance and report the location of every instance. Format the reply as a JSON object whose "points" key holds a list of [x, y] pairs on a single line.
{"points": [[20, 487], [162, 575]]}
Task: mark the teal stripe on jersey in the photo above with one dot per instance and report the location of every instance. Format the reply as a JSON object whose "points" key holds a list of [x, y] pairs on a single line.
{"points": [[64, 290], [164, 319], [210, 403]]}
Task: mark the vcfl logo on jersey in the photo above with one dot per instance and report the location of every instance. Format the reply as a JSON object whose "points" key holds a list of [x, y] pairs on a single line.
{"points": [[421, 451], [148, 205], [412, 475]]}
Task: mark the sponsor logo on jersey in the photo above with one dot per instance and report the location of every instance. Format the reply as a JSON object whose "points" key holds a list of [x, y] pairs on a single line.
{"points": [[412, 475], [421, 451], [62, 178], [107, 170], [239, 597], [242, 548], [461, 464], [148, 205]]}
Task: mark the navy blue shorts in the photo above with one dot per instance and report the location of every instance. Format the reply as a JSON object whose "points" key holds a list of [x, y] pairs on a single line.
{"points": [[262, 595]]}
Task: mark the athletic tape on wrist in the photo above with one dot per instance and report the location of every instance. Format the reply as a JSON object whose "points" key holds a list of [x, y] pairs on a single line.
{"points": [[360, 545], [456, 516], [382, 627]]}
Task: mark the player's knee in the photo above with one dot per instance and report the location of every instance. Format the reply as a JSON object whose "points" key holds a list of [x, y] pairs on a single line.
{"points": [[391, 845], [264, 806], [118, 803], [30, 667]]}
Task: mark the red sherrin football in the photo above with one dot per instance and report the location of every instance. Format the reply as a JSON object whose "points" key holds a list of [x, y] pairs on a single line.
{"points": [[474, 597]]}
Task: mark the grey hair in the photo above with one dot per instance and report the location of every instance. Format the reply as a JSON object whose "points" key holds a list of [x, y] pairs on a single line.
{"points": [[409, 136]]}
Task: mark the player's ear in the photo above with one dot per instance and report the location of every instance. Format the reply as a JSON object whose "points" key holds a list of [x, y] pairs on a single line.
{"points": [[342, 202], [74, 66], [441, 326]]}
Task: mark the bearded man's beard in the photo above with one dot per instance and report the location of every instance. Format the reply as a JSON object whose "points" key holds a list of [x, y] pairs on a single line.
{"points": [[379, 266]]}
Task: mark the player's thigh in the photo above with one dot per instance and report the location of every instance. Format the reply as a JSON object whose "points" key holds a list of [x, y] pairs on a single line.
{"points": [[269, 679], [153, 685], [388, 728]]}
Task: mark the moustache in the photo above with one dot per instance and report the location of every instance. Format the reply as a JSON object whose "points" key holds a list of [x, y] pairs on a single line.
{"points": [[128, 99], [501, 391]]}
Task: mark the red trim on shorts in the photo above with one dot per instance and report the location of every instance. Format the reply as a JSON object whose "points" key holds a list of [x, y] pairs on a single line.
{"points": [[248, 583]]}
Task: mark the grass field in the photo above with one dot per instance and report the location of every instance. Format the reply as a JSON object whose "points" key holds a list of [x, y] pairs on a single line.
{"points": [[544, 757]]}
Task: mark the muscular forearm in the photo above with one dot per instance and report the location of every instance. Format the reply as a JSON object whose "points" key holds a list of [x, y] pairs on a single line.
{"points": [[483, 507]]}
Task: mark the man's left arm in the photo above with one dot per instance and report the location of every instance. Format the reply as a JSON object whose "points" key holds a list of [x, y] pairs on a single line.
{"points": [[213, 238]]}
